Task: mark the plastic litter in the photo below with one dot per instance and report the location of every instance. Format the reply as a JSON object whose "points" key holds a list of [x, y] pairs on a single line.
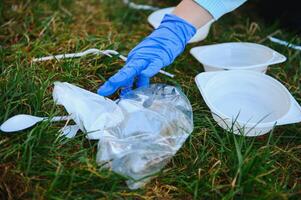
{"points": [[284, 43], [158, 121], [69, 131], [107, 52], [139, 6], [92, 113], [81, 54], [156, 17], [246, 102], [138, 134], [237, 56], [21, 122]]}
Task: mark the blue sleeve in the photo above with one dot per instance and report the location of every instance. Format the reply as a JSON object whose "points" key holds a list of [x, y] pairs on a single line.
{"points": [[218, 8]]}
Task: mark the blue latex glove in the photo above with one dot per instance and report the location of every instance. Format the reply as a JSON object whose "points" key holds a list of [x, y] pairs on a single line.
{"points": [[218, 8], [155, 52]]}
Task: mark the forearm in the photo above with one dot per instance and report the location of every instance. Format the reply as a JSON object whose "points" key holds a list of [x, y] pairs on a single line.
{"points": [[192, 12]]}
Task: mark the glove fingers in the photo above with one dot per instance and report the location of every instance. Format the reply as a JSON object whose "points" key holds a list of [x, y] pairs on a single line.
{"points": [[123, 78], [143, 81], [127, 88], [145, 75], [106, 89]]}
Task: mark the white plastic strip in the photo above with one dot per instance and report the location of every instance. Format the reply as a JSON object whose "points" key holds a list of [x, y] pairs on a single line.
{"points": [[139, 6], [71, 55], [107, 52], [284, 43]]}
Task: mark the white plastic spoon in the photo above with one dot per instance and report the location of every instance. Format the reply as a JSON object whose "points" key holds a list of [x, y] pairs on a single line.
{"points": [[21, 122]]}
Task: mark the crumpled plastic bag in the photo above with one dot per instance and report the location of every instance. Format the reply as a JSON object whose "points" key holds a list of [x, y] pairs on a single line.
{"points": [[138, 134], [93, 114]]}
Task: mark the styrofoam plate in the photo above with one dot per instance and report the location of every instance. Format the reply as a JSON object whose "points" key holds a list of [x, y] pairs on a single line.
{"points": [[236, 56], [247, 102]]}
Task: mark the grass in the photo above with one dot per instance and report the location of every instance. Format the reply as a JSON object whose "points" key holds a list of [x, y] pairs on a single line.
{"points": [[213, 164]]}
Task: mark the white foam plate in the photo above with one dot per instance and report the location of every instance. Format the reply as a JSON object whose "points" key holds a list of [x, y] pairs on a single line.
{"points": [[249, 103], [236, 56]]}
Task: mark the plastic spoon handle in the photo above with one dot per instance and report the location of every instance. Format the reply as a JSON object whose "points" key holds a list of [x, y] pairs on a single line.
{"points": [[58, 118], [107, 52]]}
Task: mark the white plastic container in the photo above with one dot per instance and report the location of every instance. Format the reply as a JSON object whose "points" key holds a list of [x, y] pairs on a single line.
{"points": [[236, 56], [156, 17], [247, 102]]}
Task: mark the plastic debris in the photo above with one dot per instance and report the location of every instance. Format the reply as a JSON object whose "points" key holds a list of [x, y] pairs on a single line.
{"points": [[236, 56], [92, 113], [138, 134], [247, 102], [107, 52], [139, 6], [22, 121], [284, 43]]}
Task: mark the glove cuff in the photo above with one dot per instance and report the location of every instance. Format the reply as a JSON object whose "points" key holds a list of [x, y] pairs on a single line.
{"points": [[166, 42], [180, 26]]}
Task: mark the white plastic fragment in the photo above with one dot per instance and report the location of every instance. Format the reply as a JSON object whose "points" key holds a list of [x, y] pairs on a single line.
{"points": [[69, 131], [284, 43], [139, 6], [93, 114]]}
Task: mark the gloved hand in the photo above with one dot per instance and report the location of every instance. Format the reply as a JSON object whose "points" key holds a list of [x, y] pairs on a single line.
{"points": [[218, 8], [155, 52]]}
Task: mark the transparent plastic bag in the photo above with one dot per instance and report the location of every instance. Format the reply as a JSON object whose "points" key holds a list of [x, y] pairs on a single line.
{"points": [[138, 134]]}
